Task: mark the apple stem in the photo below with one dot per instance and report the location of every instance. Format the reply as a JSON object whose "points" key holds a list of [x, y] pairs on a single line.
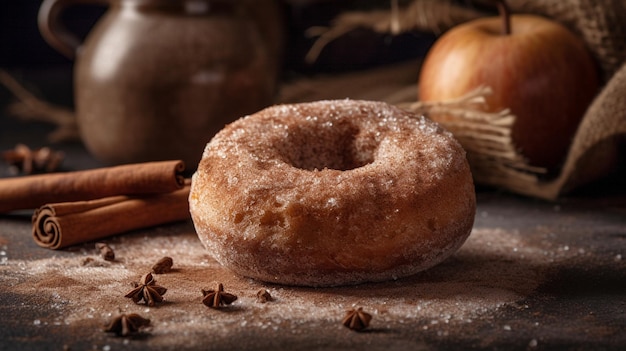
{"points": [[505, 13]]}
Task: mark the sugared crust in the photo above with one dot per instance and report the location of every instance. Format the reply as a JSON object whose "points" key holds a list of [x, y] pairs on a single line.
{"points": [[332, 193]]}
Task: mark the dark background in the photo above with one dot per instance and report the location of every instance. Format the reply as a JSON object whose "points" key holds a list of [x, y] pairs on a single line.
{"points": [[21, 45], [47, 74], [28, 58]]}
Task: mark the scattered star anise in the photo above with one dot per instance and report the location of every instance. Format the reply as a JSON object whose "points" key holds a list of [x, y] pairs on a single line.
{"points": [[263, 296], [357, 319], [216, 298], [126, 324], [147, 290], [26, 161]]}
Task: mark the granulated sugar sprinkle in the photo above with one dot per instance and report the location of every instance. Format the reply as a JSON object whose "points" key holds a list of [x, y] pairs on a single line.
{"points": [[452, 295]]}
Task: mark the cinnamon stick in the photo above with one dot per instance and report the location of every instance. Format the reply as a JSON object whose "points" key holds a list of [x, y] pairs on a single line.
{"points": [[29, 192], [59, 225]]}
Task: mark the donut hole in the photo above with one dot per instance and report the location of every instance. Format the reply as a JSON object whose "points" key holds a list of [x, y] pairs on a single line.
{"points": [[337, 146]]}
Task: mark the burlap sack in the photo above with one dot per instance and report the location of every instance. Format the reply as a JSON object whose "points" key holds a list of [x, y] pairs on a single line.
{"points": [[594, 151]]}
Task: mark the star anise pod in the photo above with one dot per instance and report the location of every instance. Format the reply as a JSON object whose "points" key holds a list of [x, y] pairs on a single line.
{"points": [[126, 324], [147, 290], [216, 298], [357, 319]]}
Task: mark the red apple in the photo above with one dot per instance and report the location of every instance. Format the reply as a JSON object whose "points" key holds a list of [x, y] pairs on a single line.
{"points": [[536, 67]]}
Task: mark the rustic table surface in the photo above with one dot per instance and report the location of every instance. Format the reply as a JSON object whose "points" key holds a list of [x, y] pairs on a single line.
{"points": [[533, 275]]}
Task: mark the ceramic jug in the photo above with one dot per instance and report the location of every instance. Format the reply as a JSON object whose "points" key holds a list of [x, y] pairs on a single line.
{"points": [[156, 79]]}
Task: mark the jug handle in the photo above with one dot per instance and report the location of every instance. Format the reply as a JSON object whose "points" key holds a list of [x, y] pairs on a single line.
{"points": [[54, 31]]}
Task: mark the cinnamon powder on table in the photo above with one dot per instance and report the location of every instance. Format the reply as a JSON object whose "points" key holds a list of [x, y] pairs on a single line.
{"points": [[444, 300]]}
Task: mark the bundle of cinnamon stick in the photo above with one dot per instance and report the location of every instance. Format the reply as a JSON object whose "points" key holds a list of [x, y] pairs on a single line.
{"points": [[76, 207]]}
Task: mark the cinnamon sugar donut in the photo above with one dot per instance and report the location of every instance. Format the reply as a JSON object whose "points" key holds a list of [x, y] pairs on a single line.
{"points": [[332, 193]]}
